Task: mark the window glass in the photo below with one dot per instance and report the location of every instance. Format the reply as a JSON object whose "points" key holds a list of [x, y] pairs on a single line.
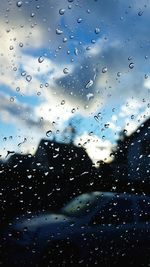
{"points": [[144, 210], [115, 212]]}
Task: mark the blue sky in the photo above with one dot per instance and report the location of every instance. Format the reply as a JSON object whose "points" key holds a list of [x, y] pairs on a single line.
{"points": [[94, 71]]}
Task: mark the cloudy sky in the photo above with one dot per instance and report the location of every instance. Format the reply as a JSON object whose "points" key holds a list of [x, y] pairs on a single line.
{"points": [[81, 61]]}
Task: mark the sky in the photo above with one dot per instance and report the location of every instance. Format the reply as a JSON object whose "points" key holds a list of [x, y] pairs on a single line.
{"points": [[84, 62]]}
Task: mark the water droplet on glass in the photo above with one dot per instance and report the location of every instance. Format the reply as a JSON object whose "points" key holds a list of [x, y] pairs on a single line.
{"points": [[40, 59], [118, 74], [29, 78], [97, 30], [70, 1], [146, 76], [132, 117], [96, 118], [64, 39], [59, 31], [62, 102], [21, 44], [76, 51], [65, 71], [89, 84], [18, 89], [11, 47], [32, 15], [49, 133], [106, 125], [129, 58], [104, 70], [89, 96], [131, 65], [140, 13], [62, 11], [19, 3], [12, 99], [73, 110], [79, 20], [23, 73], [93, 41]]}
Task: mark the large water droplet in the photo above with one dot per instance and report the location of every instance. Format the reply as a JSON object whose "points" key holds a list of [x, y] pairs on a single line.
{"points": [[12, 99], [65, 71], [97, 30], [59, 31], [104, 70], [21, 44], [29, 78], [40, 59], [19, 3], [140, 13], [49, 133], [79, 20], [63, 102], [89, 84], [11, 47], [76, 51], [62, 11], [119, 74], [131, 65], [96, 118]]}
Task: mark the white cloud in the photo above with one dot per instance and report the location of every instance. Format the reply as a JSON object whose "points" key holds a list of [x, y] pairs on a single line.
{"points": [[96, 148]]}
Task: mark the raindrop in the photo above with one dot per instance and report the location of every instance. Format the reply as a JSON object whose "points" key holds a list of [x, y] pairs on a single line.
{"points": [[97, 30], [11, 47], [47, 84], [21, 44], [11, 99], [19, 3], [96, 118], [70, 1], [32, 15], [64, 39], [131, 65], [18, 89], [129, 58], [104, 70], [62, 102], [93, 41], [140, 13], [89, 84], [76, 51], [118, 74], [29, 78], [40, 59], [106, 125], [59, 31], [89, 96], [62, 11], [146, 76], [49, 133], [132, 117], [23, 73], [73, 110], [79, 20], [65, 71]]}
